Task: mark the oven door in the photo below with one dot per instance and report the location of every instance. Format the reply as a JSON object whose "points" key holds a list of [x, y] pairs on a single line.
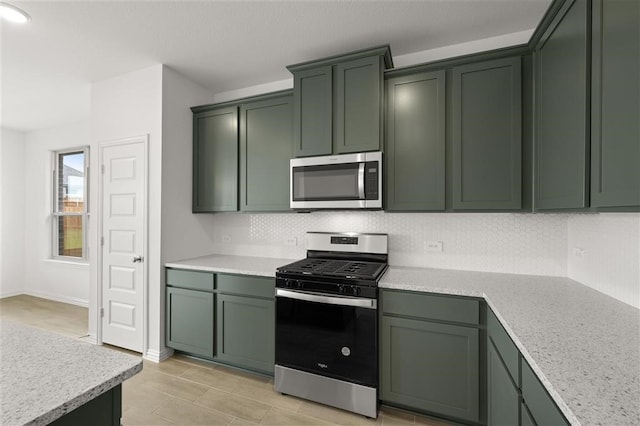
{"points": [[328, 335]]}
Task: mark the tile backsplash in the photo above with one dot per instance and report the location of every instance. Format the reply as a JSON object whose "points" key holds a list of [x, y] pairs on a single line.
{"points": [[603, 253], [533, 244]]}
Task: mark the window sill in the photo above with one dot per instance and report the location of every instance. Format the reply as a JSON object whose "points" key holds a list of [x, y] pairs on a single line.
{"points": [[75, 263]]}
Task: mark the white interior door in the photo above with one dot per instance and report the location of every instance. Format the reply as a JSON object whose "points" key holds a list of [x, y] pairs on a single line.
{"points": [[123, 237]]}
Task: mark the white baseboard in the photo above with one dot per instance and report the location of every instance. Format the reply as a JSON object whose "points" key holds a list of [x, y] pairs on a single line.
{"points": [[11, 293], [64, 299], [157, 356]]}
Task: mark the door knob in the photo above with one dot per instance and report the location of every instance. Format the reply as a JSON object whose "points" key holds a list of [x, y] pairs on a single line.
{"points": [[137, 259]]}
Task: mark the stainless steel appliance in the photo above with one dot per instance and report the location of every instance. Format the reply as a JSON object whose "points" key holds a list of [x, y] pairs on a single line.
{"points": [[327, 321], [348, 181]]}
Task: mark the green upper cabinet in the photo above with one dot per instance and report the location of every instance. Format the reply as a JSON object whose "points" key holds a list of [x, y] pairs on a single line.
{"points": [[358, 105], [487, 135], [215, 160], [415, 142], [338, 103], [313, 111], [265, 149], [615, 107], [562, 104]]}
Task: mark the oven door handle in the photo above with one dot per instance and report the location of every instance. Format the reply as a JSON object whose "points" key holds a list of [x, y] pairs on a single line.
{"points": [[330, 300]]}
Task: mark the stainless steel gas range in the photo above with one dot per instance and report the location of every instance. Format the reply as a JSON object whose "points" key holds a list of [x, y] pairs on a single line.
{"points": [[327, 322]]}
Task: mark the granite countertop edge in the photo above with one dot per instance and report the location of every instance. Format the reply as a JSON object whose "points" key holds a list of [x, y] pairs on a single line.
{"points": [[85, 397], [231, 264]]}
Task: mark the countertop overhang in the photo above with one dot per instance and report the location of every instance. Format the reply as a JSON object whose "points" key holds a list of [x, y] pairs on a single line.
{"points": [[583, 345], [44, 376]]}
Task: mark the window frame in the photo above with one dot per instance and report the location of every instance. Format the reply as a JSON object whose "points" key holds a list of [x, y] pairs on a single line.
{"points": [[56, 214]]}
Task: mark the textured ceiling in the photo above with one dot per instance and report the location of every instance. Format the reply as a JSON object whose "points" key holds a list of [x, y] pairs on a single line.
{"points": [[47, 66]]}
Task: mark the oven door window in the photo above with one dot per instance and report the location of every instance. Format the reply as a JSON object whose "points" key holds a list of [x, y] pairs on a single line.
{"points": [[328, 182], [329, 340]]}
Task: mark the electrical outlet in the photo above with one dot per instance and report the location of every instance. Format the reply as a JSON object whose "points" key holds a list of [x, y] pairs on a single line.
{"points": [[226, 238], [433, 246], [291, 241], [578, 252]]}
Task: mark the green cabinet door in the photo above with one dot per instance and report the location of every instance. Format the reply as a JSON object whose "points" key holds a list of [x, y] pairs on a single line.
{"points": [[415, 142], [266, 139], [525, 416], [430, 367], [215, 160], [190, 321], [562, 101], [487, 135], [542, 408], [503, 397], [313, 111], [615, 106], [246, 332], [358, 105]]}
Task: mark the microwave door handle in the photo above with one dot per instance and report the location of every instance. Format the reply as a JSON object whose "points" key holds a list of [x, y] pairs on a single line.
{"points": [[361, 181]]}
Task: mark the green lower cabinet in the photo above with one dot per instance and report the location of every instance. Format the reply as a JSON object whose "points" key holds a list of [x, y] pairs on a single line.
{"points": [[503, 396], [542, 408], [430, 367], [103, 410], [525, 416], [246, 332], [190, 321]]}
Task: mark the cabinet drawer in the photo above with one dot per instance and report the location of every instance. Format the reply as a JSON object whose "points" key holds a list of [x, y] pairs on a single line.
{"points": [[247, 285], [505, 346], [542, 408], [195, 280], [431, 306]]}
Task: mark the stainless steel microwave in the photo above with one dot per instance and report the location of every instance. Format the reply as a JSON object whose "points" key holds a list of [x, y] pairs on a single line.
{"points": [[348, 181]]}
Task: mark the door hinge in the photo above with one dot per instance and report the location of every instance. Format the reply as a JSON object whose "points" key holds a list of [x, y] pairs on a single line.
{"points": [[102, 241], [101, 312], [102, 168]]}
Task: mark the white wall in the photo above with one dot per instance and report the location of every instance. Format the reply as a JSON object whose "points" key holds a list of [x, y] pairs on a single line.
{"points": [[12, 208], [58, 280], [604, 253], [184, 234], [121, 107]]}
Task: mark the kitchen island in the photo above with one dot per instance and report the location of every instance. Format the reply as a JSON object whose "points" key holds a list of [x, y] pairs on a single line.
{"points": [[46, 377]]}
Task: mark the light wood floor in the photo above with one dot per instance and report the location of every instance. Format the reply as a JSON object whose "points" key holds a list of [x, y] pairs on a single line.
{"points": [[185, 391]]}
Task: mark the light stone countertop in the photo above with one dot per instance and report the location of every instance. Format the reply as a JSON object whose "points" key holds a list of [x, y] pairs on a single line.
{"points": [[45, 375], [583, 345], [242, 265]]}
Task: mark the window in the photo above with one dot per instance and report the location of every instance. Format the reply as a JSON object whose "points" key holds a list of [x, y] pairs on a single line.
{"points": [[70, 190]]}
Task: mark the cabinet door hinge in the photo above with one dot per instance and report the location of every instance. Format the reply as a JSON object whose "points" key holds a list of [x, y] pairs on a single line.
{"points": [[102, 168], [102, 241], [101, 312]]}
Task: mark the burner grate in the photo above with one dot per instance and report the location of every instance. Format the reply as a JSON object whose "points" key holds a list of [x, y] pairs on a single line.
{"points": [[338, 268]]}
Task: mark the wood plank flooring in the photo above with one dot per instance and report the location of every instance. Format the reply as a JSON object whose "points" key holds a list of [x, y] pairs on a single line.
{"points": [[186, 391]]}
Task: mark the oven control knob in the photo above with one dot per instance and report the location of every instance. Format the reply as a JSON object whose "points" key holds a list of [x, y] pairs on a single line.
{"points": [[355, 290], [300, 284], [341, 289]]}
